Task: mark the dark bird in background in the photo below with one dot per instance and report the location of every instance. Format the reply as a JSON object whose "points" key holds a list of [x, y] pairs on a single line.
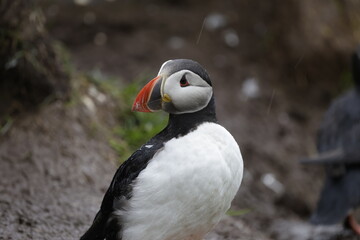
{"points": [[180, 183], [338, 145]]}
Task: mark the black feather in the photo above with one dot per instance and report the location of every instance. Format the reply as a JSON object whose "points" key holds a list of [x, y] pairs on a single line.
{"points": [[341, 124], [96, 231], [176, 65], [338, 196]]}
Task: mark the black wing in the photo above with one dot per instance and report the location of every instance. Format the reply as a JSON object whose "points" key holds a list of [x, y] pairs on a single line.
{"points": [[338, 138], [120, 188], [346, 150], [334, 156], [338, 196], [332, 206]]}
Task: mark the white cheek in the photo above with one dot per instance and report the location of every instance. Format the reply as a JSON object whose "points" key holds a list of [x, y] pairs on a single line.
{"points": [[191, 98], [187, 99]]}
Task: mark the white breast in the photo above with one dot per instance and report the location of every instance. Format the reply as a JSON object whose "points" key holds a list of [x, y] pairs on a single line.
{"points": [[186, 188]]}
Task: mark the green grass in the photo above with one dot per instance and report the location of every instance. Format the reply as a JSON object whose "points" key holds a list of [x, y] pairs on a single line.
{"points": [[134, 128], [64, 57]]}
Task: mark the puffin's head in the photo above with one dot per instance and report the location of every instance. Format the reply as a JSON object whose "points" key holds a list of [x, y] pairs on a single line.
{"points": [[182, 86]]}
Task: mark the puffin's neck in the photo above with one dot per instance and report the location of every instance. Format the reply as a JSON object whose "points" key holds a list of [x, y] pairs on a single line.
{"points": [[181, 124]]}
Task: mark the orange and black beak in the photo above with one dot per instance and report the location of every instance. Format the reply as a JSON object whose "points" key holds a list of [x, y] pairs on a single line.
{"points": [[149, 99]]}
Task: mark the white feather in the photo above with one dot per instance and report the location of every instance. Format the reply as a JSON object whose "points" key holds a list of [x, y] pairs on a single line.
{"points": [[162, 66], [186, 188], [191, 98]]}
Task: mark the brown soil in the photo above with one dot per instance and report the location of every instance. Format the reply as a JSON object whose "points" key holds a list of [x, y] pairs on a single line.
{"points": [[51, 168]]}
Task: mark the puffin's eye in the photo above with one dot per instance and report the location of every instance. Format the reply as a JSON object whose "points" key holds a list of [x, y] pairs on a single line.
{"points": [[184, 82]]}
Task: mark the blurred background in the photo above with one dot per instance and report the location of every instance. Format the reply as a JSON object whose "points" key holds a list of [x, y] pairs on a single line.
{"points": [[69, 71]]}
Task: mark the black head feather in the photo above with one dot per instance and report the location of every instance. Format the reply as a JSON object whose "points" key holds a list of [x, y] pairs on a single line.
{"points": [[173, 66]]}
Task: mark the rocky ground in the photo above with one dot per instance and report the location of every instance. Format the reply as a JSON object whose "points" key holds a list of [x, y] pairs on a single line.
{"points": [[275, 67]]}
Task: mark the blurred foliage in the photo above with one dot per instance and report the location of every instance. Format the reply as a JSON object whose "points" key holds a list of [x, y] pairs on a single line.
{"points": [[30, 69], [64, 57], [236, 213], [134, 128], [6, 124], [346, 81]]}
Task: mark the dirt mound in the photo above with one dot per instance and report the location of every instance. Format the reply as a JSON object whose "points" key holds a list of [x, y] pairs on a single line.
{"points": [[53, 174]]}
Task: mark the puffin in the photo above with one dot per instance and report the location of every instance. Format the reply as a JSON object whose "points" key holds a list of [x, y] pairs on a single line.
{"points": [[338, 145], [179, 184]]}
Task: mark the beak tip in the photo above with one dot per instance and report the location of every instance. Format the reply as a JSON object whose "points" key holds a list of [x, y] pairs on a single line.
{"points": [[134, 107], [137, 107]]}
